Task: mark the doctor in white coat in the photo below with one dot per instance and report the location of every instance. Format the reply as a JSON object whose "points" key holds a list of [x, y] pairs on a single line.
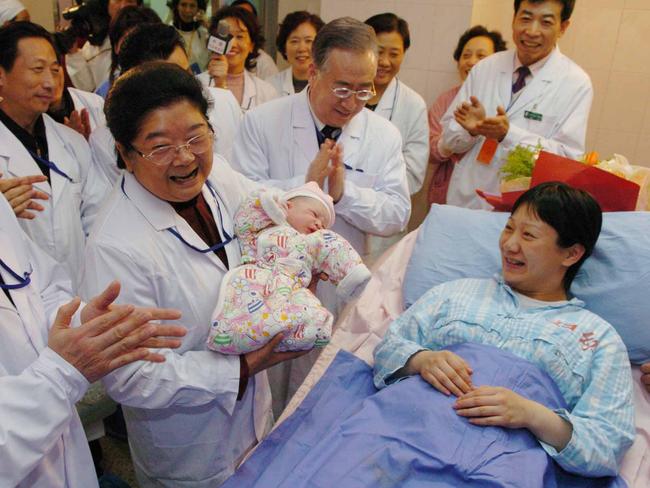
{"points": [[166, 232], [277, 144], [294, 40], [40, 152], [45, 367], [531, 95], [150, 42]]}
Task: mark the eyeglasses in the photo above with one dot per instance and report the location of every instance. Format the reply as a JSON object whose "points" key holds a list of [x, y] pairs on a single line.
{"points": [[362, 95], [164, 155]]}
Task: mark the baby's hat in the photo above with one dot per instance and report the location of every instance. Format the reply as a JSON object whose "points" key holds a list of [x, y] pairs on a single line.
{"points": [[312, 190]]}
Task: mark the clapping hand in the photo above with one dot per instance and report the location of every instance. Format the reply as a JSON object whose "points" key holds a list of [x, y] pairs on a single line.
{"points": [[111, 336], [20, 194]]}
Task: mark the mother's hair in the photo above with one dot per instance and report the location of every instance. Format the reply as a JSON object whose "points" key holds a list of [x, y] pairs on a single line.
{"points": [[574, 214], [143, 89]]}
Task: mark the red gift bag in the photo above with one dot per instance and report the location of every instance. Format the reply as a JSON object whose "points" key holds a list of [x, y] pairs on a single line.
{"points": [[613, 193]]}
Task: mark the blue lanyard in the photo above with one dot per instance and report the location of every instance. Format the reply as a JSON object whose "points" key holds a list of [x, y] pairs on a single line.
{"points": [[175, 233], [52, 166], [22, 281]]}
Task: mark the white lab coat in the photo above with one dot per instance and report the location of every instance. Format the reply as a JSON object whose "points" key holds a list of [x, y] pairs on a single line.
{"points": [[283, 82], [561, 92], [61, 229], [277, 142], [265, 67], [256, 90], [42, 442], [406, 109], [185, 427], [93, 103], [90, 66], [224, 115]]}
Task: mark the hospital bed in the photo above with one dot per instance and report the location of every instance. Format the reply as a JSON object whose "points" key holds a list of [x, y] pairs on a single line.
{"points": [[452, 243]]}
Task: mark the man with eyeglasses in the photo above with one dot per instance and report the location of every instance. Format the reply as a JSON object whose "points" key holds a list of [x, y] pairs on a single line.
{"points": [[278, 141]]}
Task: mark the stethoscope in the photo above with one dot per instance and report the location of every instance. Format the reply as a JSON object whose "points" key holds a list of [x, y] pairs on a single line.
{"points": [[23, 281], [227, 238]]}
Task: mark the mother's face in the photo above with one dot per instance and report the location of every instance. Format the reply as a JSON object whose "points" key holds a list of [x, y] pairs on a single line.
{"points": [[182, 178]]}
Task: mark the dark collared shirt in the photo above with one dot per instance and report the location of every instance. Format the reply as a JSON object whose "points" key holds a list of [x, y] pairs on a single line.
{"points": [[35, 143]]}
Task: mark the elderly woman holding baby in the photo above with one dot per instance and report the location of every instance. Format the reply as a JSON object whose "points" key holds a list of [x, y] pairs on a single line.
{"points": [[166, 231]]}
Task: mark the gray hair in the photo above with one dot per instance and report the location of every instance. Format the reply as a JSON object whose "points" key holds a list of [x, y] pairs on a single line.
{"points": [[347, 34]]}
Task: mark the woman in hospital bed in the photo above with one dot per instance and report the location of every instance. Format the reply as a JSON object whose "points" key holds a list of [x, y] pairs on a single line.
{"points": [[526, 313]]}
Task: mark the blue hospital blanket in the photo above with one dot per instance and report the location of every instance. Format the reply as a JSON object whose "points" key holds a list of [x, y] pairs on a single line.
{"points": [[346, 433]]}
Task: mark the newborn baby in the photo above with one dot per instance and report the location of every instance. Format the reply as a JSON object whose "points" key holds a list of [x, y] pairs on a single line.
{"points": [[284, 241]]}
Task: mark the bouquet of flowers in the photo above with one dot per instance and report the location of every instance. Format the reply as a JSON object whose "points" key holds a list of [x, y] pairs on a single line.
{"points": [[614, 183]]}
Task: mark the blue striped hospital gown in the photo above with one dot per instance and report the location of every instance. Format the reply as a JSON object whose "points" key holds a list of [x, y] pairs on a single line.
{"points": [[581, 352]]}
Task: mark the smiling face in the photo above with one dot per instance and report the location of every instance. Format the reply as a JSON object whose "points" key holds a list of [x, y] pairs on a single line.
{"points": [[187, 10], [474, 50], [532, 261], [29, 87], [184, 177], [306, 215], [536, 29], [346, 69], [298, 49], [240, 46], [391, 55]]}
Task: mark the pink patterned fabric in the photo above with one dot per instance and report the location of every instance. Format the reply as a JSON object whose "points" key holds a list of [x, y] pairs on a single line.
{"points": [[268, 294], [441, 167]]}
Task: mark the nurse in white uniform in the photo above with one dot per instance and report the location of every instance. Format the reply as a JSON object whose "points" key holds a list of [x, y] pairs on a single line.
{"points": [[401, 105], [166, 232], [232, 70], [295, 37], [45, 366]]}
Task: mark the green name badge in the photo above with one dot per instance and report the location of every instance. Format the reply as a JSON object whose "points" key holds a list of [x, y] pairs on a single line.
{"points": [[532, 116]]}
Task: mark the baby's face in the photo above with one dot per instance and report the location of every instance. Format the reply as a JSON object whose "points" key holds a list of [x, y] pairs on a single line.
{"points": [[306, 215]]}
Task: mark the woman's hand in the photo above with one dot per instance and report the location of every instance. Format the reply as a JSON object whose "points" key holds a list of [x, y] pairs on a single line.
{"points": [[494, 405], [218, 69], [444, 370], [645, 377], [498, 406], [79, 121], [266, 357]]}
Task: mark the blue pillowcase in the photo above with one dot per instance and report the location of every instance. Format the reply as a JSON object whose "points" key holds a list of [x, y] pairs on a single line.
{"points": [[455, 243]]}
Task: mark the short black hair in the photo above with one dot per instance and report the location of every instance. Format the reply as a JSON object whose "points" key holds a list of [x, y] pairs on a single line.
{"points": [[10, 36], [567, 6], [173, 6], [290, 23], [250, 22], [389, 22], [128, 18], [148, 42], [574, 214], [236, 3], [143, 89], [479, 31]]}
